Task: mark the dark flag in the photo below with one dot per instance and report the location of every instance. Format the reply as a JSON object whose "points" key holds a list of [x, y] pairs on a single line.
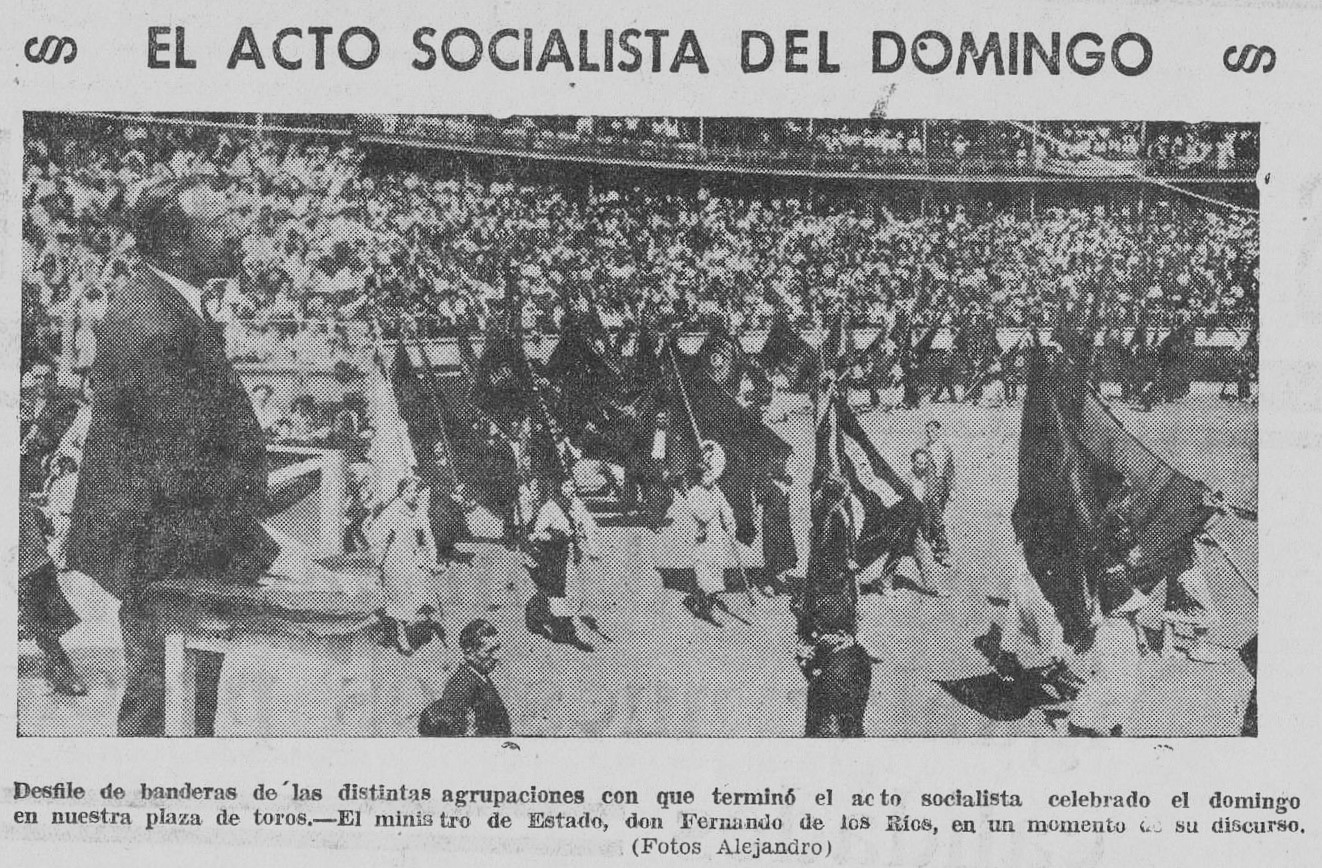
{"points": [[913, 361], [1070, 467], [1169, 509], [589, 400], [1058, 510], [891, 513], [786, 353], [502, 385], [887, 528], [837, 350], [1168, 373], [700, 407], [673, 395], [1076, 333], [422, 406], [829, 580], [645, 367], [1134, 364], [174, 477], [827, 439], [484, 460]]}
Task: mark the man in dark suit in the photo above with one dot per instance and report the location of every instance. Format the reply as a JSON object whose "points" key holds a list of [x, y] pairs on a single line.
{"points": [[470, 704], [173, 485], [839, 673], [832, 557]]}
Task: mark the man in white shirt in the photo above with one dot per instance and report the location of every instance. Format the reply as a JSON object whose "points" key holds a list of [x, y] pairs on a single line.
{"points": [[939, 484]]}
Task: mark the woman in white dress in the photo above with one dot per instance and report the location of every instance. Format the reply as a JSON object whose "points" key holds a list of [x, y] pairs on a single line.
{"points": [[714, 533], [559, 536], [401, 538]]}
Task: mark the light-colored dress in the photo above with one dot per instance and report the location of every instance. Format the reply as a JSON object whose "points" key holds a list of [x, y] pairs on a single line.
{"points": [[401, 540], [713, 537]]}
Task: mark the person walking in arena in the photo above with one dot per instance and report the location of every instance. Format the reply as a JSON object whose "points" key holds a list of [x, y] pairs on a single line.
{"points": [[925, 546], [832, 561], [553, 542], [939, 483], [779, 553], [839, 673], [713, 535], [1111, 683], [401, 536]]}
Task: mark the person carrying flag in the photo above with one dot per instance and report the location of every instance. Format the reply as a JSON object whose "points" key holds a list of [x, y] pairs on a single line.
{"points": [[647, 483], [832, 559], [1107, 697], [556, 537], [714, 534], [839, 673], [779, 553]]}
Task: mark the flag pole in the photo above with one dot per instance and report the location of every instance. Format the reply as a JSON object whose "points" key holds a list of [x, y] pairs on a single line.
{"points": [[431, 400], [683, 392], [567, 465], [697, 437]]}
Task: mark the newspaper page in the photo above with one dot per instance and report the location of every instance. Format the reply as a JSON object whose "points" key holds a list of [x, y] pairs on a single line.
{"points": [[685, 433]]}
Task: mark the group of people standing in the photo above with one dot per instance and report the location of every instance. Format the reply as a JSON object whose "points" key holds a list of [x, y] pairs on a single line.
{"points": [[837, 666]]}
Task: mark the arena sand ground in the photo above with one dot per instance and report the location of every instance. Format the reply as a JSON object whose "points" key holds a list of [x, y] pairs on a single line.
{"points": [[667, 674]]}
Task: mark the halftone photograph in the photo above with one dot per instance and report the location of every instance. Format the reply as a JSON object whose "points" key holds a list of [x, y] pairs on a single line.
{"points": [[405, 425]]}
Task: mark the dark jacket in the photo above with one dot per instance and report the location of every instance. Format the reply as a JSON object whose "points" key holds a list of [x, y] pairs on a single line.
{"points": [[469, 705], [839, 682], [173, 481], [831, 556]]}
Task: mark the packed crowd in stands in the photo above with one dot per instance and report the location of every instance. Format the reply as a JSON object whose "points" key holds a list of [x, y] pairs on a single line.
{"points": [[894, 146], [336, 237]]}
